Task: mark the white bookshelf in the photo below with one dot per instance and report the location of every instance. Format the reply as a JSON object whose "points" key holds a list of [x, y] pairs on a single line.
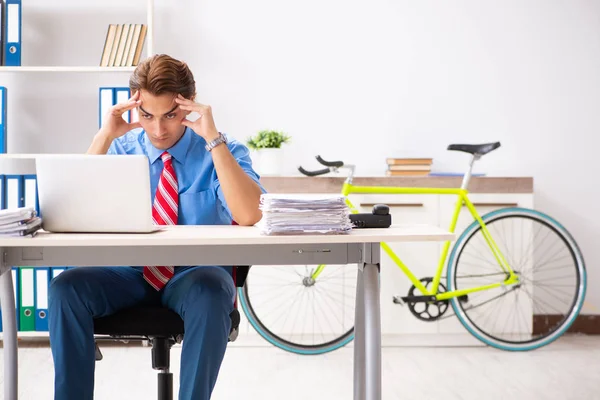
{"points": [[25, 166], [29, 335], [67, 69], [95, 69]]}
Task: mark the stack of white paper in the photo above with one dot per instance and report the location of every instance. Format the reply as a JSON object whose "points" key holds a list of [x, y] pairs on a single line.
{"points": [[304, 214], [18, 222]]}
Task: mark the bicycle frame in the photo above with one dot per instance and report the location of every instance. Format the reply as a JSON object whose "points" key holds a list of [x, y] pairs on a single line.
{"points": [[463, 199]]}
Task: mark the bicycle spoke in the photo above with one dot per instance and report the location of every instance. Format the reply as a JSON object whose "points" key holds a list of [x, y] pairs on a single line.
{"points": [[284, 307], [553, 268], [333, 312], [509, 257], [552, 258], [534, 240]]}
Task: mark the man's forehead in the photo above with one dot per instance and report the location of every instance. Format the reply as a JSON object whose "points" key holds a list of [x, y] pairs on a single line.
{"points": [[158, 105]]}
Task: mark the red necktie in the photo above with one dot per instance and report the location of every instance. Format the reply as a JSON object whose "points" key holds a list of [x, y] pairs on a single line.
{"points": [[164, 212]]}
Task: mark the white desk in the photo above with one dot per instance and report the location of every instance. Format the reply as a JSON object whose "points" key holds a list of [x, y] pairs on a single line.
{"points": [[218, 245]]}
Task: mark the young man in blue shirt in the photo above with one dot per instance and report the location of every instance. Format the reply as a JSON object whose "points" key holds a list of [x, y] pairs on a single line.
{"points": [[198, 177]]}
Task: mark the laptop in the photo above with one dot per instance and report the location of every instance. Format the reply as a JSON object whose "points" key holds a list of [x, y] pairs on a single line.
{"points": [[94, 193]]}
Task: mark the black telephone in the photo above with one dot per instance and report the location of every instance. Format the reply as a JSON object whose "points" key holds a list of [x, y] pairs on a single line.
{"points": [[378, 218]]}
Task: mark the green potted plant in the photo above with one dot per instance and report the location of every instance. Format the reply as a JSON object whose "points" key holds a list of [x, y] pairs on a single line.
{"points": [[267, 139], [269, 154]]}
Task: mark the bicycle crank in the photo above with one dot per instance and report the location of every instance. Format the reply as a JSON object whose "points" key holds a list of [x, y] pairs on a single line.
{"points": [[425, 307]]}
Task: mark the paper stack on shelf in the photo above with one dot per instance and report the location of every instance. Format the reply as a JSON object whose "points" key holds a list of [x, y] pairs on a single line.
{"points": [[22, 221], [294, 214]]}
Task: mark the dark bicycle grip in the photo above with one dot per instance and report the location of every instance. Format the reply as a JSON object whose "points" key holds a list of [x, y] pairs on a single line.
{"points": [[313, 173], [335, 164]]}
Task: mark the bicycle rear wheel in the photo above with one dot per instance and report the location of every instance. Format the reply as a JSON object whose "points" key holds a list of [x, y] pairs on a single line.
{"points": [[298, 314], [543, 305]]}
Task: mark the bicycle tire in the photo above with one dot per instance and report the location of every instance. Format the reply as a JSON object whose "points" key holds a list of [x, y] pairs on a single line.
{"points": [[572, 247], [287, 345]]}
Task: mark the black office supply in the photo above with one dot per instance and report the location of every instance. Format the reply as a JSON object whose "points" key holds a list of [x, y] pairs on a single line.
{"points": [[379, 217]]}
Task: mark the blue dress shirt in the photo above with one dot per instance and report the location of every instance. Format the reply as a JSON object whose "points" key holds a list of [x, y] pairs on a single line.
{"points": [[201, 199]]}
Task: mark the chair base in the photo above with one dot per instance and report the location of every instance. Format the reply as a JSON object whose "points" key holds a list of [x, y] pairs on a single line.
{"points": [[99, 355], [162, 327], [161, 347], [161, 361], [165, 386]]}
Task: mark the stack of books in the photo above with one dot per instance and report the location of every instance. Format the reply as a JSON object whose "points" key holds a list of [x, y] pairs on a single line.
{"points": [[19, 222], [293, 214], [408, 166], [123, 45]]}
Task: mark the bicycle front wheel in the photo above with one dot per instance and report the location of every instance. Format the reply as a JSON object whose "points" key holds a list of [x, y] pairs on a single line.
{"points": [[552, 280], [297, 313]]}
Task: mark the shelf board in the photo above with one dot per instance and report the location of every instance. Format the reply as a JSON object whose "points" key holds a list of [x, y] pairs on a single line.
{"points": [[66, 69], [29, 334]]}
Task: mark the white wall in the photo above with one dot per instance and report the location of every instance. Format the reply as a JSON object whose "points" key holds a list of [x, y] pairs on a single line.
{"points": [[357, 81]]}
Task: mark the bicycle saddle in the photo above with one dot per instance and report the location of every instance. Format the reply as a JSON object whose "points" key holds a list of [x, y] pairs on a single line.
{"points": [[479, 149]]}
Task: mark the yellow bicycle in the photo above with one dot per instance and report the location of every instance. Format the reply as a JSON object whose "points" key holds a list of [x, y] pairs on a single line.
{"points": [[515, 279]]}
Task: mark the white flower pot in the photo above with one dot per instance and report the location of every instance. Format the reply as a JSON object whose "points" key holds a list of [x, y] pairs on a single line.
{"points": [[269, 161]]}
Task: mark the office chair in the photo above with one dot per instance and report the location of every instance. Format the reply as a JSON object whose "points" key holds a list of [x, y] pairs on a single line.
{"points": [[162, 328]]}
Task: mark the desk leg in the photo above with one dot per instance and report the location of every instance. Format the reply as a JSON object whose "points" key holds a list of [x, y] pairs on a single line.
{"points": [[367, 335], [359, 339], [9, 338]]}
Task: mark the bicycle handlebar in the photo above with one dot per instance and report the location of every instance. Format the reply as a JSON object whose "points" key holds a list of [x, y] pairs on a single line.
{"points": [[329, 164], [334, 164], [313, 173]]}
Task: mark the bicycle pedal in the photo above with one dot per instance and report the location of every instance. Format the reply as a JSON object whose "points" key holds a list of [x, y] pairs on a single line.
{"points": [[398, 300]]}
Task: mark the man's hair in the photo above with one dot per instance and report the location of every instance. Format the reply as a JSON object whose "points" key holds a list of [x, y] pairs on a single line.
{"points": [[160, 74]]}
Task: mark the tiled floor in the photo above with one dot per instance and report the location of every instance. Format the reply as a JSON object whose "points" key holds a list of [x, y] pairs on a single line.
{"points": [[568, 369]]}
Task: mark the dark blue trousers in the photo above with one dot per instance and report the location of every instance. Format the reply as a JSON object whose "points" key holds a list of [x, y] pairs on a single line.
{"points": [[202, 296]]}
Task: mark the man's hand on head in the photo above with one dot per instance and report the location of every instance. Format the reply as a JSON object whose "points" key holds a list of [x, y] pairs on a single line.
{"points": [[204, 126], [113, 124]]}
